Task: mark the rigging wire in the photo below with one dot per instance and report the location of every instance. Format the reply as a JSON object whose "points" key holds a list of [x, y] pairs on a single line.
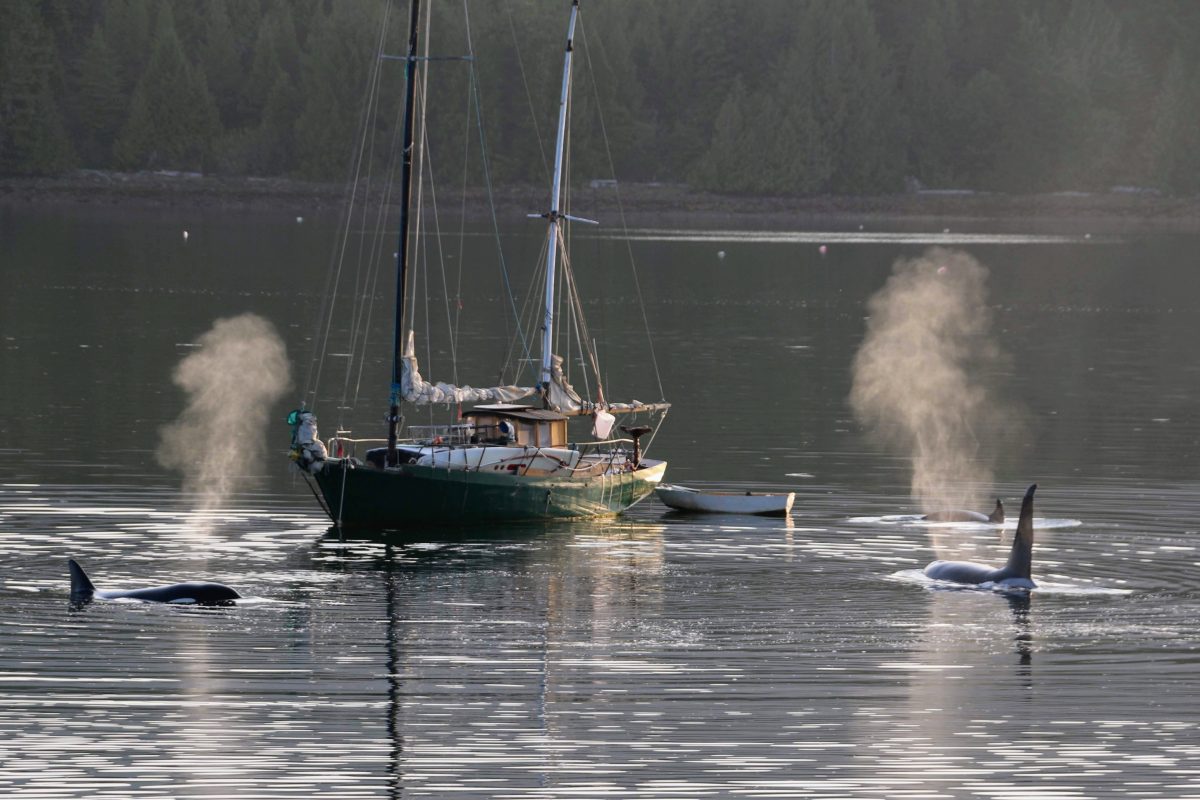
{"points": [[380, 248], [537, 132], [337, 257], [360, 313], [585, 338], [528, 315], [427, 153], [620, 205], [487, 176]]}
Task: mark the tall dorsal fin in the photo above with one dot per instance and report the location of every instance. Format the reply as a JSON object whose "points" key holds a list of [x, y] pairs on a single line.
{"points": [[1020, 561], [82, 589]]}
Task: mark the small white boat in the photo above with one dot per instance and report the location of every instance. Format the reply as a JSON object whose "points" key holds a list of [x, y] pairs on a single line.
{"points": [[682, 498]]}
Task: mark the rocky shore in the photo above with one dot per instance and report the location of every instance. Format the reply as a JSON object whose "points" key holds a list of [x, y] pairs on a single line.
{"points": [[642, 204]]}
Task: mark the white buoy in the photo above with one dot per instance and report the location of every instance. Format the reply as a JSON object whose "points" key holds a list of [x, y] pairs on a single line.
{"points": [[720, 254], [185, 235], [822, 249], [299, 220]]}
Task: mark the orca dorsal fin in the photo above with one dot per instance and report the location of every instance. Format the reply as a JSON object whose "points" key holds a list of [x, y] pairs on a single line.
{"points": [[82, 589], [1020, 561], [997, 515]]}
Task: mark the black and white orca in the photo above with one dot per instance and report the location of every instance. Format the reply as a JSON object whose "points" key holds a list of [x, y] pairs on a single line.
{"points": [[193, 592], [1015, 574]]}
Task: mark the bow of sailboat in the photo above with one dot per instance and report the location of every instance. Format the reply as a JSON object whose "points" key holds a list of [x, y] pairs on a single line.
{"points": [[527, 444]]}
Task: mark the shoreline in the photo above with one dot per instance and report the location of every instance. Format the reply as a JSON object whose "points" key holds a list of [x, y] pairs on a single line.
{"points": [[657, 203]]}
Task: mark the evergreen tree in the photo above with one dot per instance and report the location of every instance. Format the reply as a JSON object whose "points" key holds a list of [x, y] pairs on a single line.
{"points": [[793, 144], [221, 60], [606, 101], [33, 137], [172, 119], [1172, 146], [726, 167], [1103, 84], [928, 92], [977, 119], [101, 106], [700, 67], [1036, 132], [856, 89], [127, 29], [275, 52], [334, 71]]}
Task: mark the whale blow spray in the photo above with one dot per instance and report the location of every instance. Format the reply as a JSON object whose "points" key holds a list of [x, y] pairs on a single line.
{"points": [[924, 377], [231, 382]]}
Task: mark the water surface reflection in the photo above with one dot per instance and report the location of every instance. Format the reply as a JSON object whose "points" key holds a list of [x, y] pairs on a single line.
{"points": [[654, 656]]}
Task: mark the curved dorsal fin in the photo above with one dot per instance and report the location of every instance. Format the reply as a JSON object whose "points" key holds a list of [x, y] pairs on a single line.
{"points": [[82, 589], [1020, 560]]}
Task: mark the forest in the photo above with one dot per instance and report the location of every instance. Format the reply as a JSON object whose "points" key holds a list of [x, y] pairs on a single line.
{"points": [[768, 97]]}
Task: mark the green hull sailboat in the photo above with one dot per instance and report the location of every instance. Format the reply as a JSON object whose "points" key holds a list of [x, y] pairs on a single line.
{"points": [[501, 459], [415, 495]]}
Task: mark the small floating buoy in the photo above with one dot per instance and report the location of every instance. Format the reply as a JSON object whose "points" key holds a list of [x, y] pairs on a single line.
{"points": [[185, 235], [299, 220], [945, 230], [822, 249], [720, 254]]}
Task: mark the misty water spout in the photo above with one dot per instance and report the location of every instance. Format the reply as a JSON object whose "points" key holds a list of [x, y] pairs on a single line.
{"points": [[232, 381], [924, 377]]}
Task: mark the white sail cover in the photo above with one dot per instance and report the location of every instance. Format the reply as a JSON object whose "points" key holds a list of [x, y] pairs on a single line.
{"points": [[562, 396], [417, 390]]}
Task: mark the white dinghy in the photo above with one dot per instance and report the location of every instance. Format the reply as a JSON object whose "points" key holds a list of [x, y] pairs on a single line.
{"points": [[681, 498]]}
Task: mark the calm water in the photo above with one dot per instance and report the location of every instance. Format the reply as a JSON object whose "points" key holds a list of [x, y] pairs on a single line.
{"points": [[651, 656]]}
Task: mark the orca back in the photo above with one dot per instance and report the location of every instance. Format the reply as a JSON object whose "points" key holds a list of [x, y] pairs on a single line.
{"points": [[197, 592]]}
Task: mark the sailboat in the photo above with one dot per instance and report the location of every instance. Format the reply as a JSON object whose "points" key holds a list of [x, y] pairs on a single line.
{"points": [[511, 455]]}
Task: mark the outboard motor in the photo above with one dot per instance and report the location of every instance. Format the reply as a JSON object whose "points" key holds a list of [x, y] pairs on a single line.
{"points": [[636, 433]]}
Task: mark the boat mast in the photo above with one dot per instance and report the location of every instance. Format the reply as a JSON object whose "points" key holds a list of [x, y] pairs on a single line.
{"points": [[406, 163], [555, 213]]}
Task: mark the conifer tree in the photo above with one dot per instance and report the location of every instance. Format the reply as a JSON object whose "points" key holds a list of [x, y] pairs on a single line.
{"points": [[221, 60], [172, 118], [101, 106], [334, 70], [928, 93], [1173, 143], [127, 29], [33, 137]]}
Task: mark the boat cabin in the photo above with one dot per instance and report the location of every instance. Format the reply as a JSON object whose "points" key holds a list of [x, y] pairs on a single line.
{"points": [[517, 425]]}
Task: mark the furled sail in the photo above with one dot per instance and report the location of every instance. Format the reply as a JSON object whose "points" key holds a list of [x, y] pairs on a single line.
{"points": [[417, 390], [562, 396]]}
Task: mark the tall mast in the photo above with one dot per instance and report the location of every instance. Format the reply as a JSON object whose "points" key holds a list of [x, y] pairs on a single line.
{"points": [[406, 163], [555, 212]]}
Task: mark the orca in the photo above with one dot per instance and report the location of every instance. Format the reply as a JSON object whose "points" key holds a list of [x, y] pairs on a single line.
{"points": [[1015, 574], [995, 518], [193, 592]]}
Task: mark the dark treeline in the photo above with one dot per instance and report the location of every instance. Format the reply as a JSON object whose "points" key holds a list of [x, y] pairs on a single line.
{"points": [[745, 96]]}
